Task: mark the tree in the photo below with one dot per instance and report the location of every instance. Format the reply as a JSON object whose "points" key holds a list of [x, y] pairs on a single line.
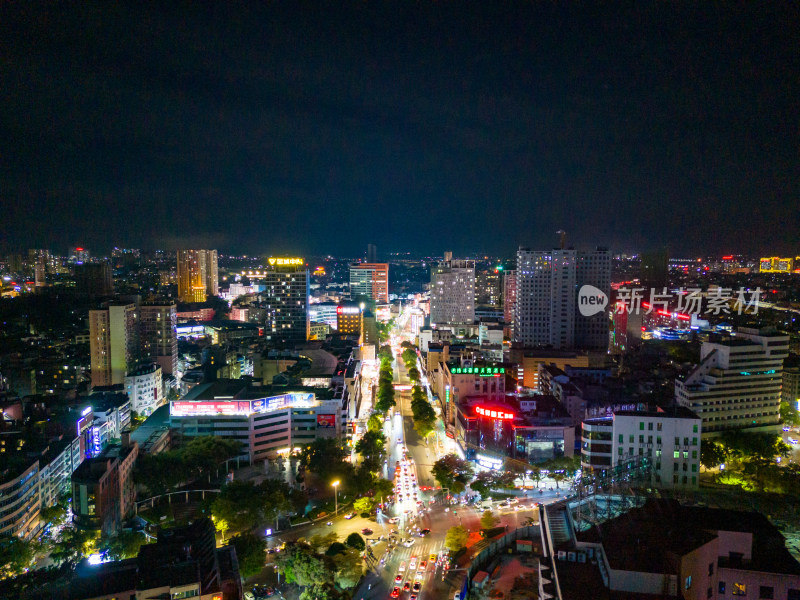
{"points": [[124, 544], [385, 352], [239, 504], [221, 525], [558, 477], [323, 591], [375, 422], [16, 555], [354, 540], [789, 414], [414, 374], [349, 568], [409, 356], [488, 519], [250, 552], [712, 454], [365, 504], [370, 447], [451, 470], [483, 483], [424, 428], [72, 545], [382, 488], [456, 538], [321, 543], [535, 475], [301, 565], [323, 456]]}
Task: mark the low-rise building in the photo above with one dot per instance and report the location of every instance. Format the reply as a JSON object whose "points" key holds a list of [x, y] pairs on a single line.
{"points": [[532, 429], [668, 438], [145, 389], [665, 550], [265, 419]]}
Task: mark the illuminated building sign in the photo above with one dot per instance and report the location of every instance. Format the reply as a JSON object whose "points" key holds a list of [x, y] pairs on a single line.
{"points": [[489, 462], [493, 413], [189, 408], [348, 310], [86, 411], [776, 264], [286, 262], [97, 447], [326, 421], [83, 424], [481, 371]]}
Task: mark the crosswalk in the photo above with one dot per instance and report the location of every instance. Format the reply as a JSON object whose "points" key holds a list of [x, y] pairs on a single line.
{"points": [[418, 553]]}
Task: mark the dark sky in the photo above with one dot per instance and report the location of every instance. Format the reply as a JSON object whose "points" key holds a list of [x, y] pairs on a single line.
{"points": [[320, 127]]}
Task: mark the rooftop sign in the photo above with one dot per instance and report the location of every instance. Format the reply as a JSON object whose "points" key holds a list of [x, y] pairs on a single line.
{"points": [[481, 371], [493, 414], [286, 262]]}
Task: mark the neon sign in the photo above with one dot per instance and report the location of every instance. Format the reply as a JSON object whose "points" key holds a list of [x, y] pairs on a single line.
{"points": [[286, 262], [494, 414], [481, 371]]}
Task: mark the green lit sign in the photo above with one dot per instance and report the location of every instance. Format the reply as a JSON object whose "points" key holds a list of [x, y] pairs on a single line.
{"points": [[480, 371]]}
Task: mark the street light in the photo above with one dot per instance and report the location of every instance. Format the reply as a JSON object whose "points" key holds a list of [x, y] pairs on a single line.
{"points": [[335, 485]]}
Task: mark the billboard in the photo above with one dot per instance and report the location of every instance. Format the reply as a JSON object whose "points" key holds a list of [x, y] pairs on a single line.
{"points": [[326, 421], [211, 407]]}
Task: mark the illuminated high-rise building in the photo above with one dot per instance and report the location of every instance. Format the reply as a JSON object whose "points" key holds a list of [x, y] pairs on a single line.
{"points": [[370, 280], [198, 275], [453, 292], [113, 342], [489, 288], [509, 295], [285, 301], [157, 335], [546, 312]]}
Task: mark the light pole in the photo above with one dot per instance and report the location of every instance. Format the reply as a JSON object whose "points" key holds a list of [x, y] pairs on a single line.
{"points": [[335, 485]]}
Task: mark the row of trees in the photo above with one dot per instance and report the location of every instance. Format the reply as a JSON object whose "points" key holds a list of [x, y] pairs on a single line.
{"points": [[384, 397], [422, 411], [199, 457]]}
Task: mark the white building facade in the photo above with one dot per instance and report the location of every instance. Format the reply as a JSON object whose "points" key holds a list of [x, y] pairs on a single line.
{"points": [[145, 389], [453, 293]]}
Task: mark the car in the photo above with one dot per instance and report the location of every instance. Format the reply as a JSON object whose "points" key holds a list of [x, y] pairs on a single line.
{"points": [[787, 428], [432, 557], [792, 441], [416, 586], [456, 596], [406, 586], [366, 531], [402, 567], [424, 532], [412, 565], [398, 579], [413, 597], [329, 523], [394, 520], [349, 516], [422, 565], [396, 593], [399, 441], [408, 543]]}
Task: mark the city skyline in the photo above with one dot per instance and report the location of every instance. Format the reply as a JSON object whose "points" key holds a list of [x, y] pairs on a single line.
{"points": [[428, 127]]}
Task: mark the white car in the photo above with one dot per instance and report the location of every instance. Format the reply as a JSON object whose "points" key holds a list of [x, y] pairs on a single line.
{"points": [[412, 565]]}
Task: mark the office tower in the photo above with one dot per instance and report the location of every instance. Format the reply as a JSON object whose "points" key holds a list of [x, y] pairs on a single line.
{"points": [[285, 301], [79, 255], [489, 288], [114, 343], [737, 384], [348, 318], [372, 253], [453, 292], [157, 335], [370, 280], [509, 295], [93, 279], [546, 311], [593, 268], [369, 329], [198, 275]]}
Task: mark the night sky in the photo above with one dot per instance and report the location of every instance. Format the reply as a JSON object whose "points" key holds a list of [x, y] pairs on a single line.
{"points": [[317, 128]]}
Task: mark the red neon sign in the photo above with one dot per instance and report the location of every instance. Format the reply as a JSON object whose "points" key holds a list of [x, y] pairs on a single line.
{"points": [[728, 257], [493, 414]]}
